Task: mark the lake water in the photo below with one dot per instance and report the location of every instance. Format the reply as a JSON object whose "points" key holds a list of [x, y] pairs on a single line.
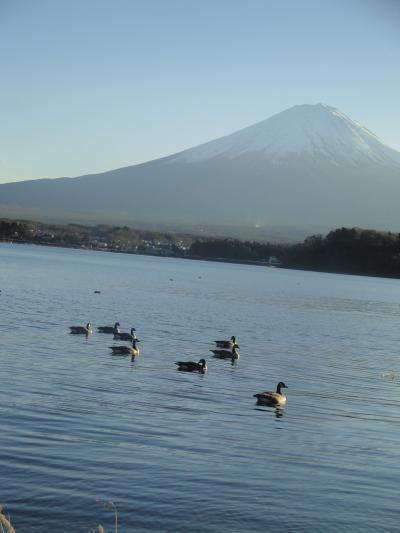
{"points": [[180, 452]]}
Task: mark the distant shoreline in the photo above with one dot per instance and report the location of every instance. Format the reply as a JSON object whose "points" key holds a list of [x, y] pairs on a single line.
{"points": [[200, 258], [115, 251]]}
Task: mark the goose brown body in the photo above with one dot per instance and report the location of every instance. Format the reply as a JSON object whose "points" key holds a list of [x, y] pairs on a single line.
{"points": [[122, 336], [192, 366], [272, 398], [126, 350], [227, 354], [81, 330], [109, 329], [226, 344]]}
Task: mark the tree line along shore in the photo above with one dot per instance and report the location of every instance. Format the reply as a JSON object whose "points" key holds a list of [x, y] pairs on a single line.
{"points": [[344, 250]]}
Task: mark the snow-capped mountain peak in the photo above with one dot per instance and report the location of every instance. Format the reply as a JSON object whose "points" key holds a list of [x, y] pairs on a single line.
{"points": [[317, 130]]}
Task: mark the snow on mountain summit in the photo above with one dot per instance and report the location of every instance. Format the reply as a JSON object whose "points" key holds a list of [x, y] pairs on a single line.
{"points": [[315, 130]]}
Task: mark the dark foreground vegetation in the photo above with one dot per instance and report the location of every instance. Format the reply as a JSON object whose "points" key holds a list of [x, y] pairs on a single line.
{"points": [[351, 251], [345, 250]]}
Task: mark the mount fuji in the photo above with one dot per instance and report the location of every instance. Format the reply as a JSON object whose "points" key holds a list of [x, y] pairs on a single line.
{"points": [[310, 166]]}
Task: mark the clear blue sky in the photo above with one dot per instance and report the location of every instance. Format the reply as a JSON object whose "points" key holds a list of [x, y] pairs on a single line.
{"points": [[91, 85]]}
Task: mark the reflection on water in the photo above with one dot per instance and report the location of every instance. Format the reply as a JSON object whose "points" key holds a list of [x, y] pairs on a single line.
{"points": [[278, 411], [80, 426]]}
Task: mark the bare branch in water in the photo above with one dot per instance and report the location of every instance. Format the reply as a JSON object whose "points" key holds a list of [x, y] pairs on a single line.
{"points": [[109, 504], [6, 522]]}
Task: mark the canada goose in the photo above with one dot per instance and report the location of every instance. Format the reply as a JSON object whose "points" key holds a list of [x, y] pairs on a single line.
{"points": [[192, 366], [81, 330], [126, 350], [109, 329], [227, 354], [272, 398], [125, 336], [226, 344]]}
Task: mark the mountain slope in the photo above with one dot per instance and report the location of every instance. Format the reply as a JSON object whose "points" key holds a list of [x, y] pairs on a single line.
{"points": [[320, 131], [307, 166]]}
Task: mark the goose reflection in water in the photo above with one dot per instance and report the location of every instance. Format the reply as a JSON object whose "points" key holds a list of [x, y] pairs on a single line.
{"points": [[278, 411]]}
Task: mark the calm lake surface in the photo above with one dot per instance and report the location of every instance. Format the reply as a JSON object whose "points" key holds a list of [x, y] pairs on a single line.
{"points": [[180, 452]]}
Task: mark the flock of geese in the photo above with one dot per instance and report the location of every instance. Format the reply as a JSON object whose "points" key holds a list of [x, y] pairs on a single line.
{"points": [[224, 349], [119, 335]]}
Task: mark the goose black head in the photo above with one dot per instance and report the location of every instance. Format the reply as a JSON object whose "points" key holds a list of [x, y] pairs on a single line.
{"points": [[280, 386]]}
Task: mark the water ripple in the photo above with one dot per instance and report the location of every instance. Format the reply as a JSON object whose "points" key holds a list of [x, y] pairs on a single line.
{"points": [[178, 451]]}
